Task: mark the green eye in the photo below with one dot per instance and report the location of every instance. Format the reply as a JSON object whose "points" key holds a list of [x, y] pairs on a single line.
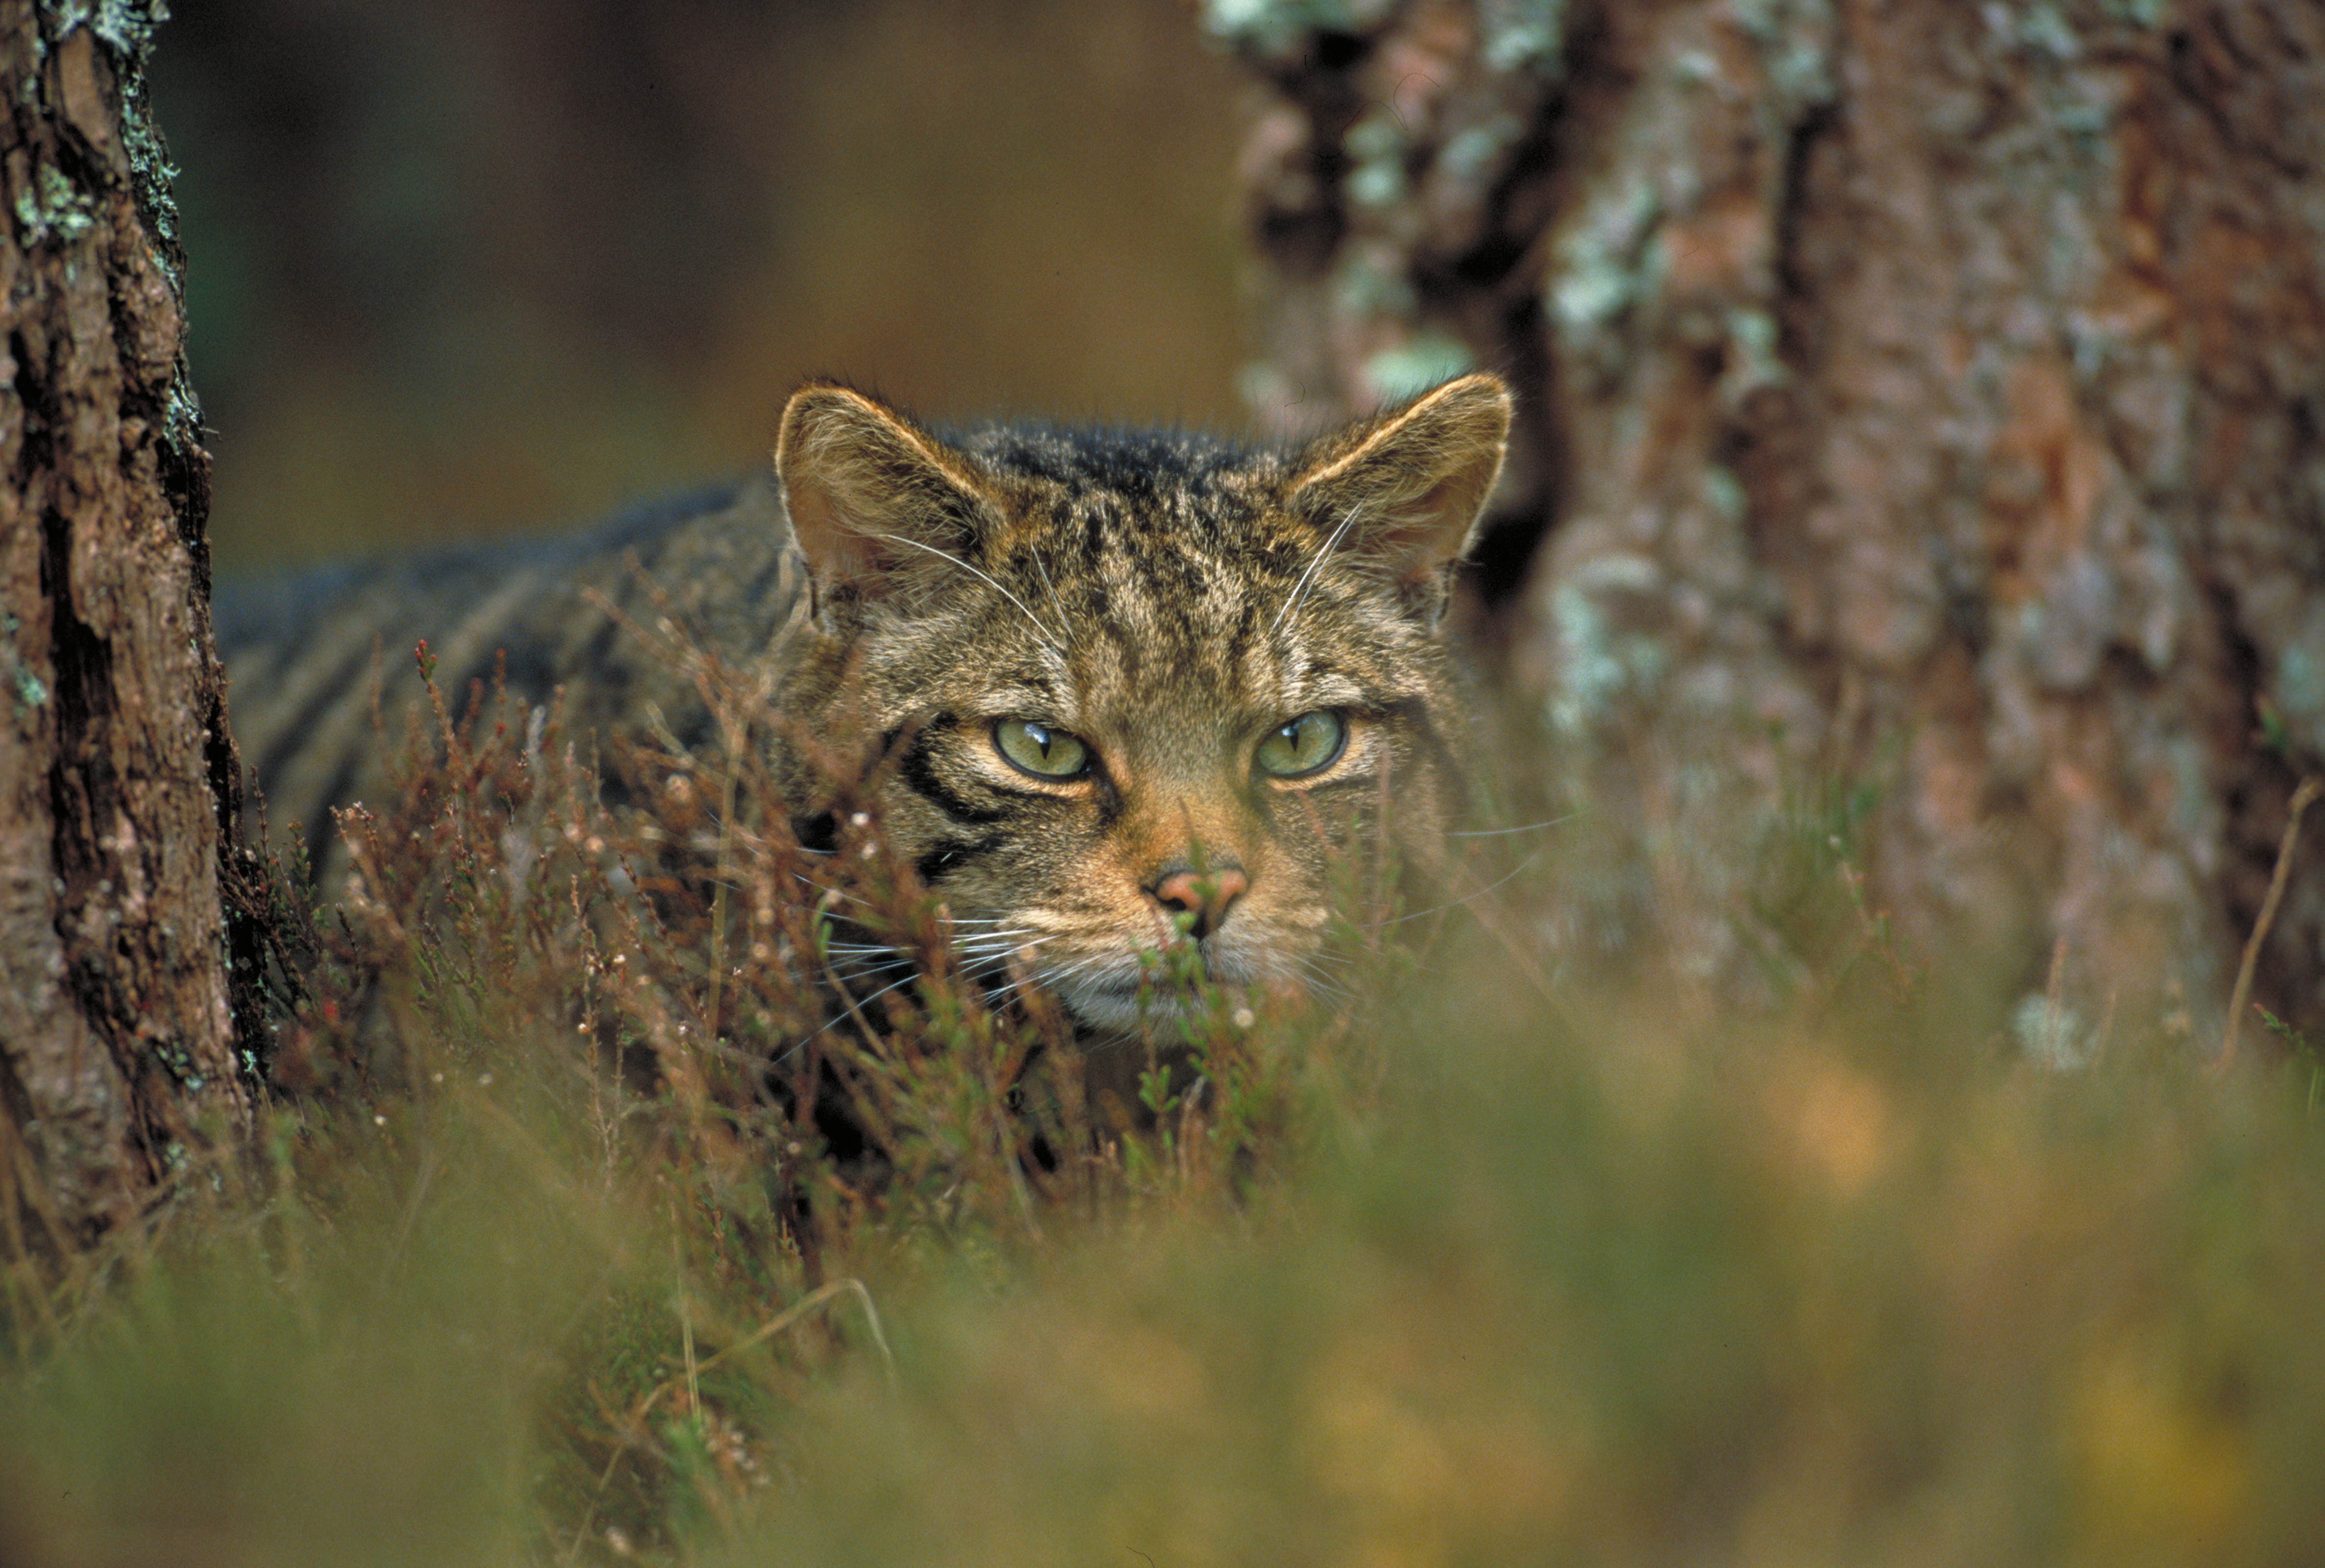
{"points": [[1039, 750], [1307, 745]]}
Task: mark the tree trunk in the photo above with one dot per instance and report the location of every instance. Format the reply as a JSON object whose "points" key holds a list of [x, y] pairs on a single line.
{"points": [[118, 789], [1918, 391]]}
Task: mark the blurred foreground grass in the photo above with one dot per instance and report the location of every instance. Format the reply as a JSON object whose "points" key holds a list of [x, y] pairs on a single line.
{"points": [[1489, 1274]]}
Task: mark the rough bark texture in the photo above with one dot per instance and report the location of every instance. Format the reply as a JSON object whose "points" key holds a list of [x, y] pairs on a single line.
{"points": [[1920, 392], [118, 1057]]}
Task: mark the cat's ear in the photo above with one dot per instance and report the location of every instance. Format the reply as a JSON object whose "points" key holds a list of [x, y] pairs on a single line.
{"points": [[1402, 493], [876, 503]]}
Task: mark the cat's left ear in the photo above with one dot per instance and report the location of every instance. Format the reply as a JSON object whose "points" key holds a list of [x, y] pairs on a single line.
{"points": [[1403, 492]]}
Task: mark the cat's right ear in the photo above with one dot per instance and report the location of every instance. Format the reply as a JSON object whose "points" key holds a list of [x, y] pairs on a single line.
{"points": [[876, 503]]}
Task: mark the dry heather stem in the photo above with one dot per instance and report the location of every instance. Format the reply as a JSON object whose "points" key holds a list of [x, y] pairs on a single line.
{"points": [[2308, 790]]}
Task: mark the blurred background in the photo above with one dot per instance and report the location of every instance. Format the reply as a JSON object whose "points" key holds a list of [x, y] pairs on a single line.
{"points": [[470, 266]]}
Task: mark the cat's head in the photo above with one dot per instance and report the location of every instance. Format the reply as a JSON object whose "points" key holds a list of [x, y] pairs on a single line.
{"points": [[1137, 689]]}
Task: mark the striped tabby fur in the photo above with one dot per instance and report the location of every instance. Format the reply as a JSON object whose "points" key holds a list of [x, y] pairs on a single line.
{"points": [[308, 656], [1124, 690]]}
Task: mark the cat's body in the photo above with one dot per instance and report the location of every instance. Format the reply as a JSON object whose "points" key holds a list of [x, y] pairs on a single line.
{"points": [[316, 660], [1111, 692]]}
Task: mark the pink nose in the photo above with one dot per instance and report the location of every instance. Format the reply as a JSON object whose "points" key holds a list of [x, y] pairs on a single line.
{"points": [[1206, 895]]}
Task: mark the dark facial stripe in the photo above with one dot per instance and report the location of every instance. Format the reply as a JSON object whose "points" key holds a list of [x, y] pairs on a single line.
{"points": [[950, 854], [919, 770]]}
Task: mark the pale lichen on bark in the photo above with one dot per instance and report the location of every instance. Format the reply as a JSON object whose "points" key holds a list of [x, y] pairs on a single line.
{"points": [[1926, 392], [117, 1041]]}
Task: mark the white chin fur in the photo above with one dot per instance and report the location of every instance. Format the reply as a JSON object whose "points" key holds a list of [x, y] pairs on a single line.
{"points": [[1129, 1012], [1112, 1001], [1104, 993]]}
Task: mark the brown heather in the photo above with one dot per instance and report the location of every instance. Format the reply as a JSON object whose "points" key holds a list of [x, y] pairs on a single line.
{"points": [[609, 1212]]}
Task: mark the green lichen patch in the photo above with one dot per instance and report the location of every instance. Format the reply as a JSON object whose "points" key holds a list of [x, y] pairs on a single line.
{"points": [[1600, 659], [2041, 29], [1604, 261], [31, 691], [1420, 362], [1362, 286], [52, 206], [1274, 28], [1795, 46], [1755, 362], [1376, 144], [1523, 33], [1470, 154], [127, 25]]}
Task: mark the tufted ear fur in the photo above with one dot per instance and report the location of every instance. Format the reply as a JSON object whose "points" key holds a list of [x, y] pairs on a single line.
{"points": [[1402, 493], [877, 504]]}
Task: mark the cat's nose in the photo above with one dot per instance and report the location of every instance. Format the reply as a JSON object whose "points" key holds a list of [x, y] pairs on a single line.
{"points": [[1206, 895]]}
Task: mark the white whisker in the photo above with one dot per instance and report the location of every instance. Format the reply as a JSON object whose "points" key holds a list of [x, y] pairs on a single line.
{"points": [[1047, 636], [1529, 827], [1325, 983], [1300, 588], [1458, 903], [1001, 942], [855, 1007], [827, 891]]}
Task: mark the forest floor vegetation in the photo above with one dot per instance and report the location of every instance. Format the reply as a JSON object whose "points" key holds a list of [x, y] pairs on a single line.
{"points": [[638, 1186]]}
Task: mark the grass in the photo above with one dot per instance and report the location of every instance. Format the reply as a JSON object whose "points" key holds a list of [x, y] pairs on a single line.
{"points": [[540, 1262]]}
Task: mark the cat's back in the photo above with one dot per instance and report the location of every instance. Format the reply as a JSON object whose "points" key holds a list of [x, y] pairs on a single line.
{"points": [[322, 662]]}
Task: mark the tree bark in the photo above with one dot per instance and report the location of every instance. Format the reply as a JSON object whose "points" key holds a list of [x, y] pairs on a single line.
{"points": [[1917, 391], [119, 784]]}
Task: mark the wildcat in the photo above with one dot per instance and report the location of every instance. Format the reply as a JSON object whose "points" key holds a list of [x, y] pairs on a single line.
{"points": [[1114, 692]]}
